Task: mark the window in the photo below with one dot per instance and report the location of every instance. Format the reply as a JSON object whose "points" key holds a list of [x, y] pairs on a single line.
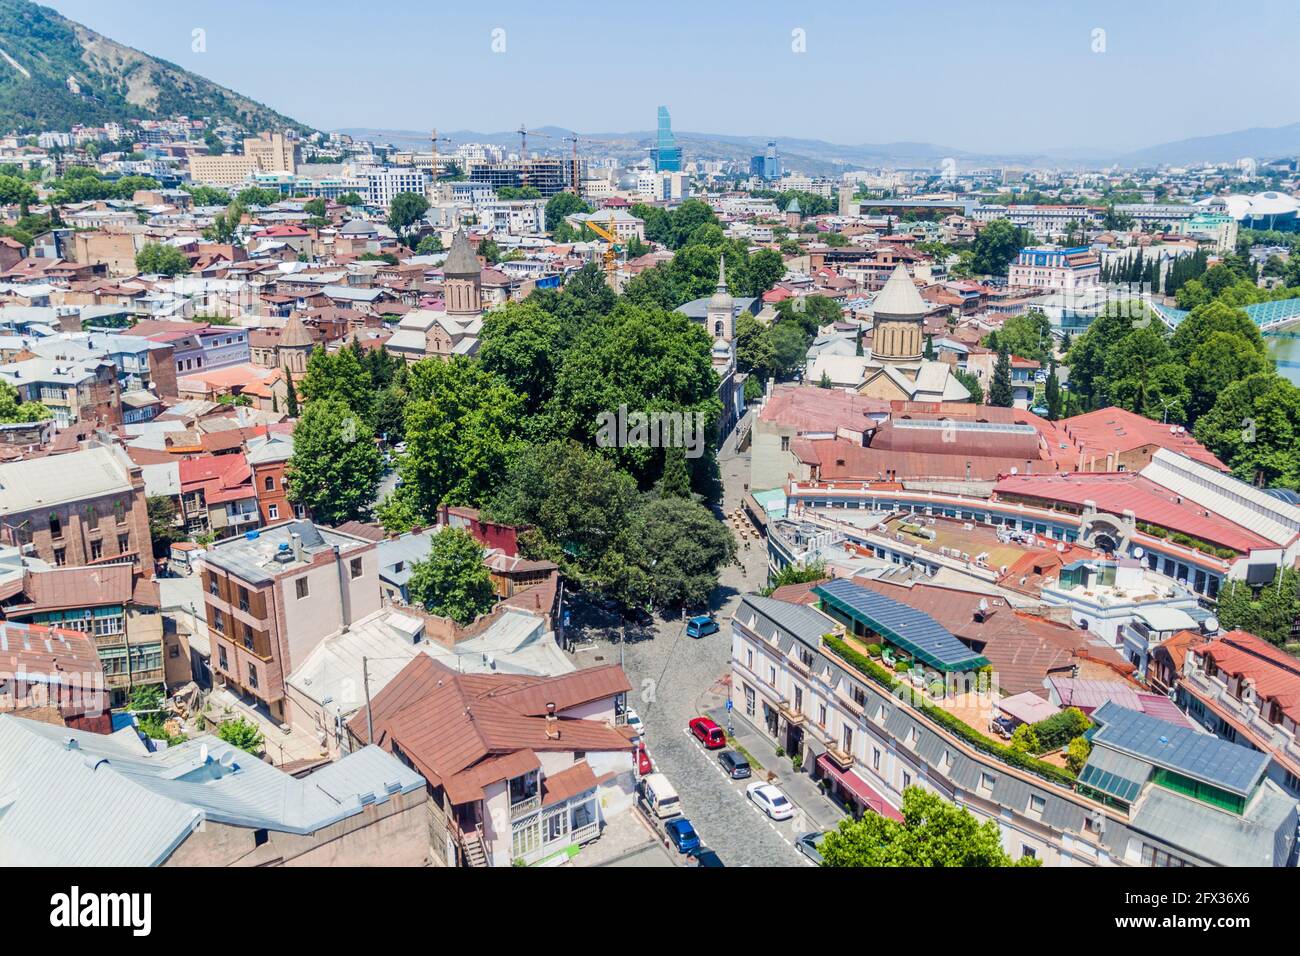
{"points": [[875, 758], [260, 837], [273, 511], [222, 661], [749, 659], [354, 568], [243, 598], [56, 526], [60, 557], [1027, 851], [96, 550], [300, 587], [213, 586], [907, 779], [848, 740], [270, 483], [174, 651], [798, 700], [252, 676], [218, 622], [1153, 856], [248, 637], [123, 543], [986, 781], [749, 701], [771, 674]]}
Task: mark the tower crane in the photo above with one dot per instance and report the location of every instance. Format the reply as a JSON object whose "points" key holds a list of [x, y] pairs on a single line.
{"points": [[613, 249]]}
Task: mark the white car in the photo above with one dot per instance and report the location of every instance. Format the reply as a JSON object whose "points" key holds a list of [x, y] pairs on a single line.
{"points": [[634, 721], [770, 800]]}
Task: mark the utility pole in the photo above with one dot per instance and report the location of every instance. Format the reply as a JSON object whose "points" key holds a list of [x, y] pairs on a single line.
{"points": [[370, 718]]}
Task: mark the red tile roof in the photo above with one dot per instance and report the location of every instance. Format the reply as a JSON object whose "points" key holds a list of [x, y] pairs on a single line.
{"points": [[1107, 430], [1275, 673], [1117, 492]]}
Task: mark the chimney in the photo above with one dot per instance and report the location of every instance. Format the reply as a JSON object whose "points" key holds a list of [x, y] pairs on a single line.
{"points": [[295, 543], [552, 722]]}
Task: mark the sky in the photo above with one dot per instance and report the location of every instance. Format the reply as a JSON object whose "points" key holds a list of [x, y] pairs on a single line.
{"points": [[997, 76]]}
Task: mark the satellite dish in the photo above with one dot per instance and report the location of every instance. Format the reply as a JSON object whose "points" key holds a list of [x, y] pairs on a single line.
{"points": [[1211, 624], [1138, 552], [203, 753], [1015, 471]]}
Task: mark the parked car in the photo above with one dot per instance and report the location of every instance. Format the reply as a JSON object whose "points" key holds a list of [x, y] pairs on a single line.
{"points": [[660, 796], [638, 616], [634, 721], [736, 766], [706, 857], [643, 763], [809, 845], [701, 626], [770, 800], [708, 733], [682, 835]]}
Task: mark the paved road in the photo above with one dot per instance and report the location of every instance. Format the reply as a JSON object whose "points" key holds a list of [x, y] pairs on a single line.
{"points": [[675, 678]]}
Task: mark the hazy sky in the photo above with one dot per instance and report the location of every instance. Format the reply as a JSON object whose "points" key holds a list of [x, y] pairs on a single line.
{"points": [[987, 76]]}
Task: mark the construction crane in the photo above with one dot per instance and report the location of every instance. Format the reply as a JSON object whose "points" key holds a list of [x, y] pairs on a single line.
{"points": [[575, 178], [435, 139], [524, 133], [612, 250]]}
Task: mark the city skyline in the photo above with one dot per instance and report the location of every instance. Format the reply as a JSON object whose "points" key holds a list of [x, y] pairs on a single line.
{"points": [[1036, 70]]}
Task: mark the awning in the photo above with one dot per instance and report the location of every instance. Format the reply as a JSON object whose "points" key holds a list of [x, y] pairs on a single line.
{"points": [[815, 746], [860, 789], [1028, 707]]}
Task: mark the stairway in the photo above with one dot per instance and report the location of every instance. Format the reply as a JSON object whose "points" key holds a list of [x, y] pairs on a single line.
{"points": [[472, 844]]}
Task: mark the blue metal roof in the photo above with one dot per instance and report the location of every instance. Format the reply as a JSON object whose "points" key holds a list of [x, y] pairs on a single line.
{"points": [[919, 634], [1183, 750], [1261, 313]]}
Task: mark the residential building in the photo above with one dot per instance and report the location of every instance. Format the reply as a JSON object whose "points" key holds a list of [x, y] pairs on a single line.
{"points": [[82, 508], [267, 458], [1055, 268], [518, 768], [271, 596], [52, 675], [201, 803], [116, 609]]}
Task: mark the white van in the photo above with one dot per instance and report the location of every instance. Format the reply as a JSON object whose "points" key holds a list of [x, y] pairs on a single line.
{"points": [[660, 796]]}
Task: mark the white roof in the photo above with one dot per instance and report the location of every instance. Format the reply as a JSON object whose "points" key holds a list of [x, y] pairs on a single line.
{"points": [[164, 479], [1224, 495], [1161, 617], [899, 296], [58, 479]]}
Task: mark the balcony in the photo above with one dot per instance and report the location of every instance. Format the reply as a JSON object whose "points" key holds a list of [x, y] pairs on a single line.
{"points": [[793, 716], [525, 806], [842, 759]]}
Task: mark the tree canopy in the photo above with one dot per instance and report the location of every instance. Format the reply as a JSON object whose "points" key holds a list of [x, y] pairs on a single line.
{"points": [[453, 581]]}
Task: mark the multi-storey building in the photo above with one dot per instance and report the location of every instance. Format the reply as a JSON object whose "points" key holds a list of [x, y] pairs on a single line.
{"points": [[83, 508], [1055, 269], [271, 596], [801, 677]]}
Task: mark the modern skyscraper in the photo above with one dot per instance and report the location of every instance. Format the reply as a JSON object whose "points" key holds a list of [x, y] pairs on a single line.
{"points": [[771, 163], [667, 154]]}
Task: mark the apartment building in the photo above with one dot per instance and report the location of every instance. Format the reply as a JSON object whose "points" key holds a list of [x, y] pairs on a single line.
{"points": [[74, 391], [1246, 690], [113, 607], [797, 680], [1055, 269], [82, 508], [271, 596]]}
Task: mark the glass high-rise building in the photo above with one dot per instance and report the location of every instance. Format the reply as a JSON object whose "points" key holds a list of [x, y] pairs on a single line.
{"points": [[667, 154]]}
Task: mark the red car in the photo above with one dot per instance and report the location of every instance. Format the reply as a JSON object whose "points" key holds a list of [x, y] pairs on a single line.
{"points": [[708, 733], [643, 764]]}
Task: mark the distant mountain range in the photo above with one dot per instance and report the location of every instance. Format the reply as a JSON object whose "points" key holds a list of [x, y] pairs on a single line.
{"points": [[55, 73], [819, 157]]}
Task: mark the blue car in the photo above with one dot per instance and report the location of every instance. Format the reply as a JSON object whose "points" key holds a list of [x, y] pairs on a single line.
{"points": [[701, 626], [683, 835]]}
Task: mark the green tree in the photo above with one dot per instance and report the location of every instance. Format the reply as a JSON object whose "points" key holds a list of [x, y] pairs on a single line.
{"points": [[972, 384], [1268, 611], [1052, 394], [676, 480], [13, 410], [996, 245], [351, 199], [335, 467], [574, 500], [158, 259], [243, 734], [405, 210], [428, 245], [339, 376], [1028, 336], [1000, 391], [1254, 426], [520, 342], [462, 422], [1025, 740], [1221, 359], [797, 574], [453, 581], [291, 395], [933, 833], [561, 205], [163, 528], [672, 551]]}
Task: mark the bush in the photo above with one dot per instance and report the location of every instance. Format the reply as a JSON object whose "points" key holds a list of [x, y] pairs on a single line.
{"points": [[1025, 740], [1059, 729], [1077, 753], [902, 667], [955, 725], [242, 734], [873, 650]]}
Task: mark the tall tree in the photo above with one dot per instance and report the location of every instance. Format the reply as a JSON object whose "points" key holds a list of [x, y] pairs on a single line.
{"points": [[335, 467], [1000, 391], [453, 581]]}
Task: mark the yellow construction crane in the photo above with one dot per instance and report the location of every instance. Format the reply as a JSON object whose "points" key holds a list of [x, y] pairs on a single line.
{"points": [[613, 249]]}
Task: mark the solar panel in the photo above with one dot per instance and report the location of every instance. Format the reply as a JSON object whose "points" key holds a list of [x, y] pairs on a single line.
{"points": [[1115, 773], [1193, 754], [937, 424], [905, 626]]}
